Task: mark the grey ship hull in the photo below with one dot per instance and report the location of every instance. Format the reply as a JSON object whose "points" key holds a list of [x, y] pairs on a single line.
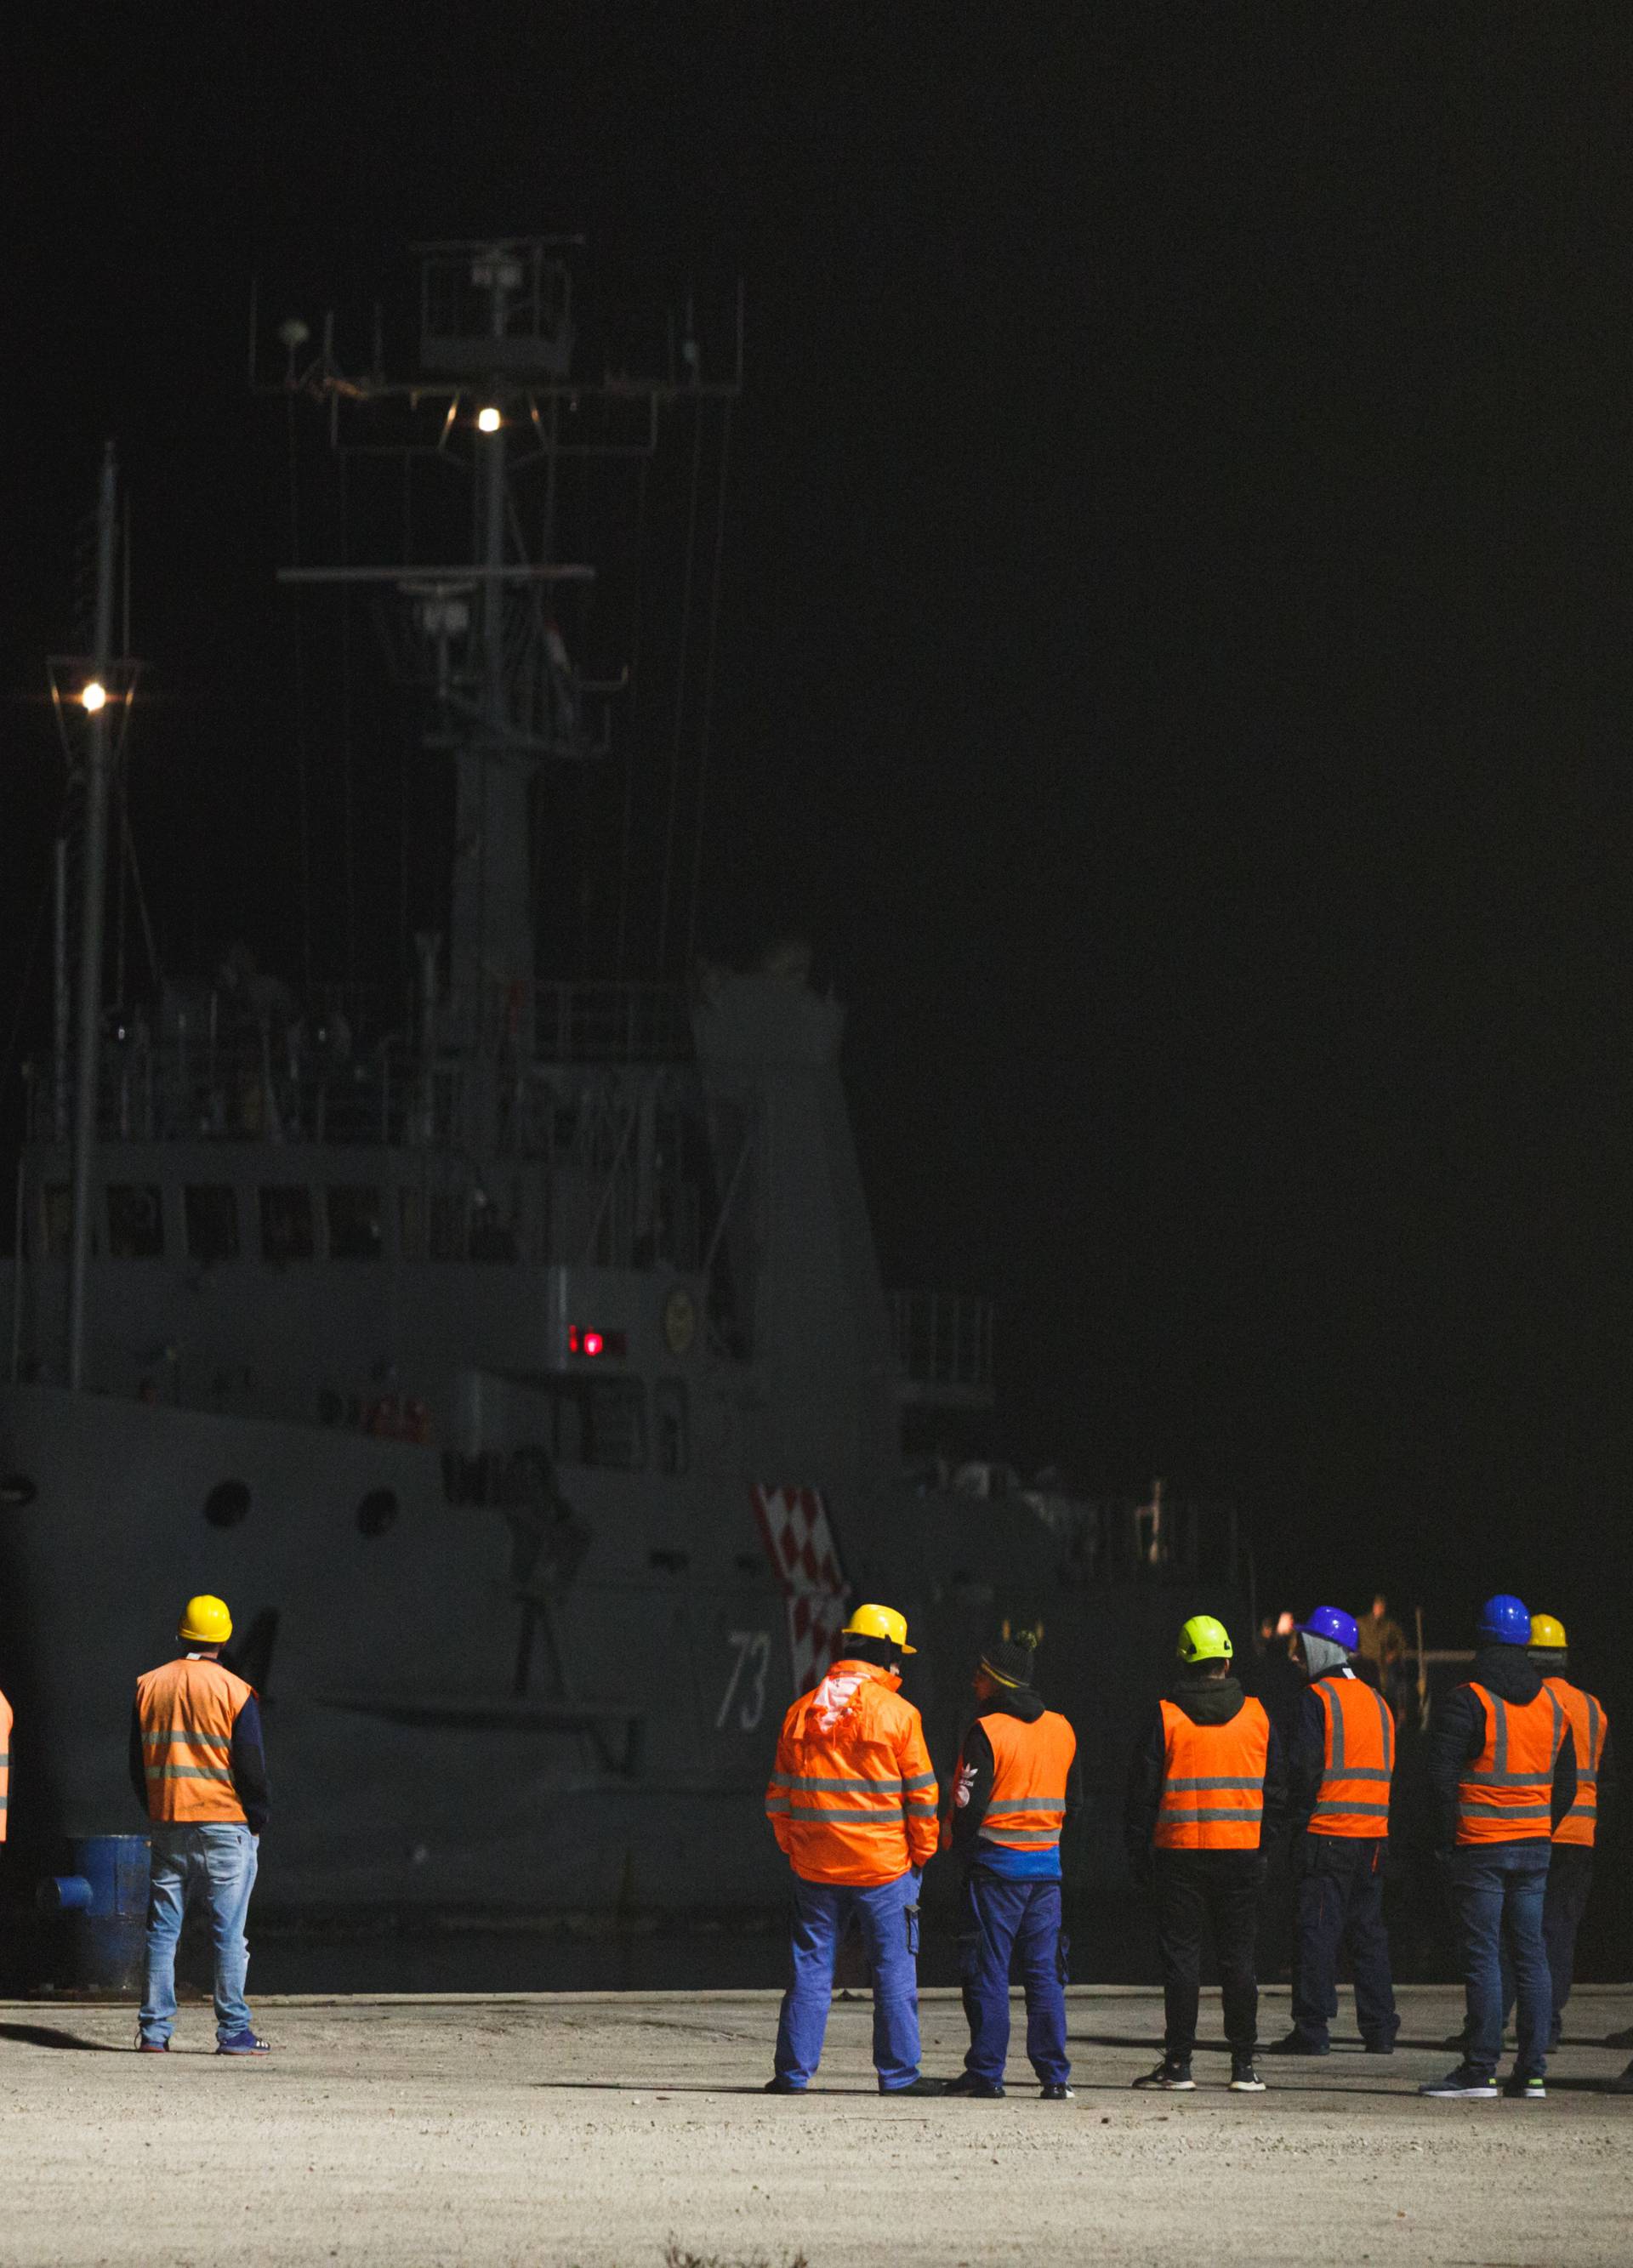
{"points": [[407, 1773]]}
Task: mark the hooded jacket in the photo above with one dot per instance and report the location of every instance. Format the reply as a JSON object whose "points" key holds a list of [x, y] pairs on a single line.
{"points": [[973, 1791], [1205, 1701], [1458, 1734]]}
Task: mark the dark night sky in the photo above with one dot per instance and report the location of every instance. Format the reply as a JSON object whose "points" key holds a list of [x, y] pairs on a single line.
{"points": [[1173, 666]]}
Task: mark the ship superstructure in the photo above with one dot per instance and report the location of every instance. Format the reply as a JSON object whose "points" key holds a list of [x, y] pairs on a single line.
{"points": [[511, 1351]]}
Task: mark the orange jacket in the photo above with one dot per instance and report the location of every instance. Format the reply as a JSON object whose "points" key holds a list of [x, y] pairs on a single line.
{"points": [[852, 1798], [1589, 1725], [1359, 1761], [1032, 1763], [187, 1711], [1506, 1794], [5, 1761], [1213, 1781]]}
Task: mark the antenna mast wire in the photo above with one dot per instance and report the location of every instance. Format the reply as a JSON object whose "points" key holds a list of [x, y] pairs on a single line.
{"points": [[708, 681]]}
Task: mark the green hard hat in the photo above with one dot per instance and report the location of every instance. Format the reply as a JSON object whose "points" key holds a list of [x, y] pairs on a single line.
{"points": [[1204, 1639]]}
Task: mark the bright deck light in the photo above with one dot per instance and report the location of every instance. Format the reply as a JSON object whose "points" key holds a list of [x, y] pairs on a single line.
{"points": [[94, 696], [488, 420]]}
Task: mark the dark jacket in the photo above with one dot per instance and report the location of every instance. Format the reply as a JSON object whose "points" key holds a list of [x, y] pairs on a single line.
{"points": [[1306, 1754], [1205, 1701], [974, 1779], [1458, 1733], [249, 1765]]}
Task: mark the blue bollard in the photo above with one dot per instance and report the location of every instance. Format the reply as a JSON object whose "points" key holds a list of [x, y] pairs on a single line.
{"points": [[106, 1898]]}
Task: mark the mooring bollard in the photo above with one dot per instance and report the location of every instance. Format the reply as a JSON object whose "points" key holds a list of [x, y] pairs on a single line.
{"points": [[106, 1900]]}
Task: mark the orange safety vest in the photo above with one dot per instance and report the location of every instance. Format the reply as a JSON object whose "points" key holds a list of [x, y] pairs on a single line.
{"points": [[852, 1798], [1030, 1765], [1589, 1725], [1358, 1761], [1506, 1796], [5, 1761], [1213, 1781], [188, 1710]]}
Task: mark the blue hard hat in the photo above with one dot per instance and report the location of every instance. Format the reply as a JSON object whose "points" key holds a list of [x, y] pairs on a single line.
{"points": [[1333, 1624], [1504, 1621]]}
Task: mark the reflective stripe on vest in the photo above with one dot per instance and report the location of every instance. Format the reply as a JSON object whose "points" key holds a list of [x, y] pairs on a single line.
{"points": [[188, 1710], [1223, 1764], [1358, 1760], [1031, 1767], [5, 1762], [1507, 1796], [1589, 1725]]}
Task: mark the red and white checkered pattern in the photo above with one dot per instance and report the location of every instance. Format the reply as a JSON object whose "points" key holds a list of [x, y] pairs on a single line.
{"points": [[799, 1542]]}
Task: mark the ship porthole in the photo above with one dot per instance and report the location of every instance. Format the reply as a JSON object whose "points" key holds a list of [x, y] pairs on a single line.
{"points": [[17, 1491], [377, 1512], [227, 1503]]}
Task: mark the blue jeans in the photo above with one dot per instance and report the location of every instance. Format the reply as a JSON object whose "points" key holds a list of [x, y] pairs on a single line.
{"points": [[889, 1920], [216, 1864], [1497, 1891], [998, 1920]]}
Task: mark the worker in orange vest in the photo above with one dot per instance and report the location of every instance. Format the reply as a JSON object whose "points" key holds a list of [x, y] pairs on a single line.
{"points": [[1570, 1861], [199, 1768], [1017, 1788], [851, 1802], [1503, 1770], [1341, 1766], [1207, 1795]]}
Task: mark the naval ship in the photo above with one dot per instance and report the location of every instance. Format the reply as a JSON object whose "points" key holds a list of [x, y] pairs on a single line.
{"points": [[511, 1352]]}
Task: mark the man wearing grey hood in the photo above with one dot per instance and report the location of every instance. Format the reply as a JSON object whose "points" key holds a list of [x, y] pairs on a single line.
{"points": [[1340, 1764]]}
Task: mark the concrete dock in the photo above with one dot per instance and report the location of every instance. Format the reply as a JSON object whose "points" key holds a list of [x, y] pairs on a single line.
{"points": [[604, 2129]]}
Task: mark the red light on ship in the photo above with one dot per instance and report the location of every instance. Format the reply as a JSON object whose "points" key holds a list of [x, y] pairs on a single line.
{"points": [[582, 1340]]}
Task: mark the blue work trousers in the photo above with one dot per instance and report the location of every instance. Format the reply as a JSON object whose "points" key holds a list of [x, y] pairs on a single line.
{"points": [[1569, 1879], [216, 1864], [1497, 1891], [887, 1917], [1001, 1923], [1338, 1902]]}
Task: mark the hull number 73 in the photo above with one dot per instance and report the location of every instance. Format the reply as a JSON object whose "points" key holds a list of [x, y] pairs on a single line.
{"points": [[746, 1685]]}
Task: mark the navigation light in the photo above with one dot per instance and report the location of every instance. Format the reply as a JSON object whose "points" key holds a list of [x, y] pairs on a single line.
{"points": [[488, 420], [94, 696]]}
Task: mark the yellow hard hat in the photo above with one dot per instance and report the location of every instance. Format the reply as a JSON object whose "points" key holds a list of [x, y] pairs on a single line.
{"points": [[1547, 1633], [205, 1621], [880, 1622], [1204, 1639]]}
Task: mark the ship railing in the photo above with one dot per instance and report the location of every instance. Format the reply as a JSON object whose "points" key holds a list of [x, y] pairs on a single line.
{"points": [[943, 1340]]}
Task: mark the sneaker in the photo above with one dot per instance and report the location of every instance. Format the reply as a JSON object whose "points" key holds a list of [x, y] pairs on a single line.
{"points": [[1056, 2091], [1521, 2089], [1379, 2047], [782, 2086], [1471, 2086], [970, 2082], [1171, 2074], [925, 2086], [244, 2044], [152, 2047], [1243, 2079], [1299, 2044]]}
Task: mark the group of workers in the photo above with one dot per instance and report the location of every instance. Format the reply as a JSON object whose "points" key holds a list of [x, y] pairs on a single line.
{"points": [[1517, 1758]]}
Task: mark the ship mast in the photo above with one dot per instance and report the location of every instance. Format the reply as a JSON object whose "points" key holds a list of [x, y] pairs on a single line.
{"points": [[94, 698]]}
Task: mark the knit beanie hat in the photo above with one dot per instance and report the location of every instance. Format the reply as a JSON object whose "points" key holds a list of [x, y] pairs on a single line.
{"points": [[1008, 1660]]}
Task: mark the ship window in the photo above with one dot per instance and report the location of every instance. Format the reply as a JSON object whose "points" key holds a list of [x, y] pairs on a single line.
{"points": [[353, 1221], [56, 1219], [135, 1224], [210, 1212], [285, 1222], [669, 1410], [600, 1421], [410, 1224]]}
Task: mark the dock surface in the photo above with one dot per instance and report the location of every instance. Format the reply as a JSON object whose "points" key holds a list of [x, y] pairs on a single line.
{"points": [[603, 2129]]}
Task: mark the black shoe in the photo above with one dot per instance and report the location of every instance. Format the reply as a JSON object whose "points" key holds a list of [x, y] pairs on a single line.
{"points": [[1621, 2084], [1379, 2047], [1172, 2074], [925, 2086], [1056, 2091], [1243, 2079], [1463, 2085], [782, 2086], [970, 2082], [1518, 2088], [1298, 2044]]}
